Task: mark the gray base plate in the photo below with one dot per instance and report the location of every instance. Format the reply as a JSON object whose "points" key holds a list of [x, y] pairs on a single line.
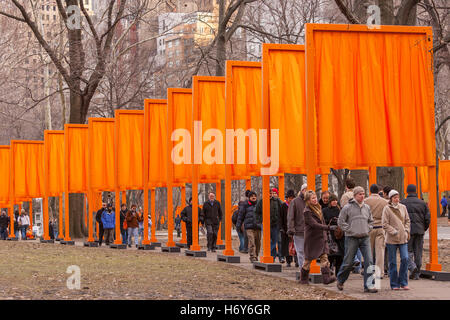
{"points": [[47, 241], [170, 249], [156, 244], [268, 267], [59, 239], [313, 278], [118, 246], [70, 242], [228, 259], [435, 275], [181, 245], [146, 247], [90, 244], [196, 254]]}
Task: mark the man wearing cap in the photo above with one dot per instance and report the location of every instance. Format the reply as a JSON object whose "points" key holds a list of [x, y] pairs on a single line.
{"points": [[109, 222], [212, 216], [296, 224], [275, 209], [419, 215], [355, 219], [377, 241]]}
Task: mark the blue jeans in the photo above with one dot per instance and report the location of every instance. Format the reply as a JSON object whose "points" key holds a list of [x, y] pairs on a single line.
{"points": [[133, 232], [23, 229], [351, 247], [141, 234], [3, 233], [398, 278], [358, 257], [274, 231], [124, 236], [241, 240]]}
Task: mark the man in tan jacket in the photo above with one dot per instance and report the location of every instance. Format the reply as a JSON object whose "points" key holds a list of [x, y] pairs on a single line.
{"points": [[377, 241]]}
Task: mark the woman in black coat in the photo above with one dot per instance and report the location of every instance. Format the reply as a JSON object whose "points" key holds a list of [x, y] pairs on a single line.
{"points": [[284, 250], [331, 215]]}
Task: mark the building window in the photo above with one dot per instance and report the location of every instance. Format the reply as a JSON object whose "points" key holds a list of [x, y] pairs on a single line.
{"points": [[169, 44]]}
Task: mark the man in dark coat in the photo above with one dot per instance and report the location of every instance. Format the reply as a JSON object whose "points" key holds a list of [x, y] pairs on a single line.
{"points": [[186, 216], [212, 216], [275, 209], [284, 251], [419, 215], [122, 217], [98, 218]]}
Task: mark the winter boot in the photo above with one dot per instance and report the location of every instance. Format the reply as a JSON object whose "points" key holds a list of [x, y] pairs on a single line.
{"points": [[304, 276], [327, 278]]}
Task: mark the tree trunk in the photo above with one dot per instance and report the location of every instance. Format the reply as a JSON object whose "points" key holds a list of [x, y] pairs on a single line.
{"points": [[361, 178], [392, 177]]}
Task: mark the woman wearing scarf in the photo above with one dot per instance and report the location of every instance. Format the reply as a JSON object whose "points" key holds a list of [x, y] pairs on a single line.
{"points": [[396, 223], [315, 240]]}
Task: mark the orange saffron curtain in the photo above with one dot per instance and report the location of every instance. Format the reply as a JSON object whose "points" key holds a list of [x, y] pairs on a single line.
{"points": [[157, 119], [284, 89], [209, 97], [54, 154], [181, 106], [28, 170], [130, 126], [101, 159], [372, 96], [244, 102], [4, 173], [77, 137]]}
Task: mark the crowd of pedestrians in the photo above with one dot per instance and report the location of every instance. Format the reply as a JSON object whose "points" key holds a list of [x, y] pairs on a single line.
{"points": [[356, 234]]}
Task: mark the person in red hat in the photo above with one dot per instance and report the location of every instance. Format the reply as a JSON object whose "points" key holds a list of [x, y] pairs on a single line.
{"points": [[275, 211]]}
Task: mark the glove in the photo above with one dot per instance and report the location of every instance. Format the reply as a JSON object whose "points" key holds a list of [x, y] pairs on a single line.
{"points": [[332, 228]]}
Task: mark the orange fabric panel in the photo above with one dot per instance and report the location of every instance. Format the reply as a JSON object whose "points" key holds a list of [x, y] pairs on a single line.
{"points": [[182, 119], [4, 173], [211, 111], [287, 105], [423, 175], [28, 169], [101, 159], [246, 102], [77, 158], [54, 150], [157, 173], [130, 152], [372, 98]]}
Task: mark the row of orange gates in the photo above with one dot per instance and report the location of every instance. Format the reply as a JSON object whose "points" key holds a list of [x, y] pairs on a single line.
{"points": [[352, 97]]}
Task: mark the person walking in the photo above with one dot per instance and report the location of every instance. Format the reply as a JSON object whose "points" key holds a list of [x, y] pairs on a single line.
{"points": [[212, 216], [4, 224], [98, 218], [377, 239], [242, 234], [316, 246], [284, 252], [419, 216], [16, 224], [108, 217], [51, 229], [396, 223], [356, 221], [331, 215], [141, 225], [296, 224], [275, 208], [133, 220], [24, 222], [123, 224], [247, 220], [444, 206], [186, 216]]}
